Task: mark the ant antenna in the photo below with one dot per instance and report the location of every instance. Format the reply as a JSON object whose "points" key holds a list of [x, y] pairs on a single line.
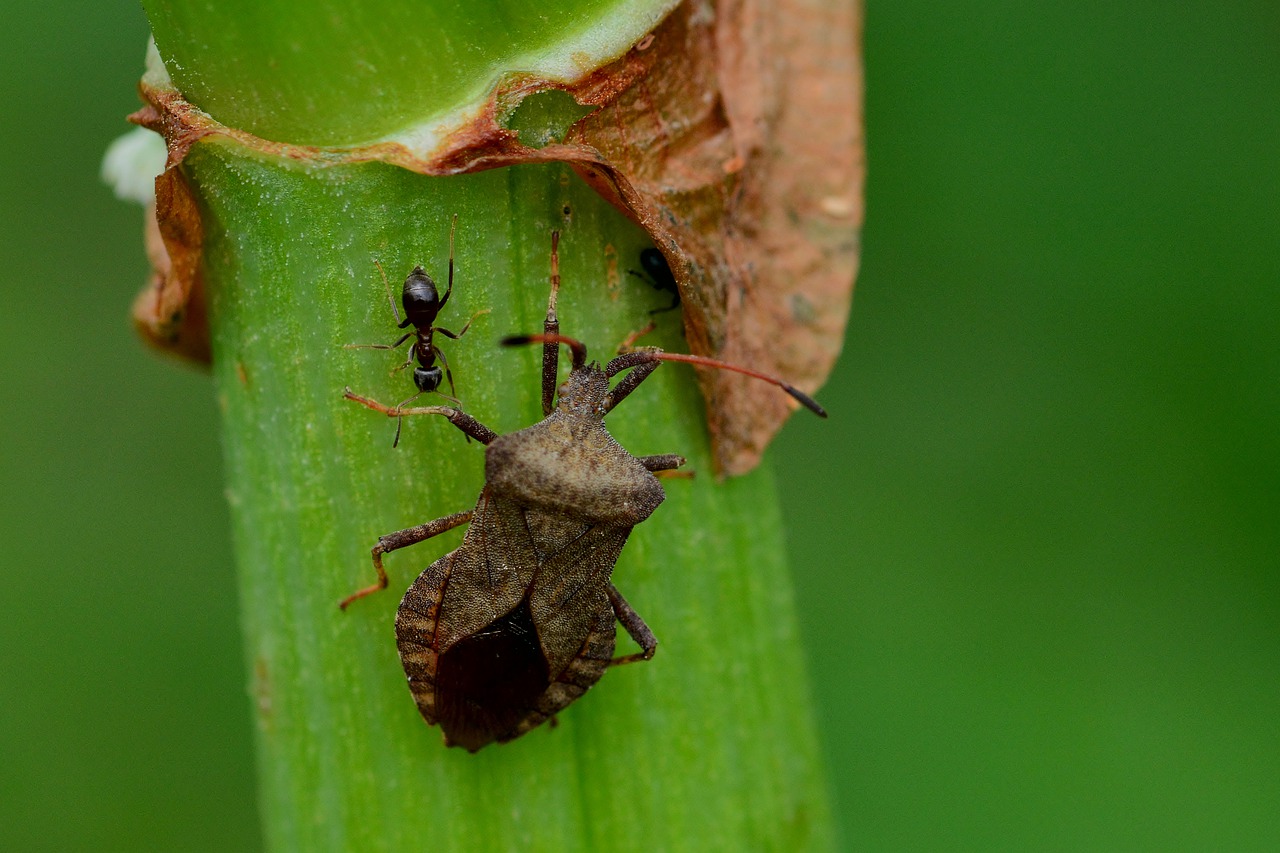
{"points": [[386, 285], [448, 290]]}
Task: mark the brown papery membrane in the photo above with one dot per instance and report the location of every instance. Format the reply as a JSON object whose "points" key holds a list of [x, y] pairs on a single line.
{"points": [[732, 134]]}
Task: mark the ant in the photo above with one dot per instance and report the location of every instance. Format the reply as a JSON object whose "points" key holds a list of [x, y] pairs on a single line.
{"points": [[422, 303], [660, 277]]}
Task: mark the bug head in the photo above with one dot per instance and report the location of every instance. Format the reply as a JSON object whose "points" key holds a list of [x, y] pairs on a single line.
{"points": [[420, 298], [585, 392]]}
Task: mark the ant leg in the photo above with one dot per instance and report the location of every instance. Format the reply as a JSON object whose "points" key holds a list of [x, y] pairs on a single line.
{"points": [[396, 345], [662, 462], [635, 627], [469, 425], [402, 539], [675, 303], [395, 442], [675, 299], [448, 374], [449, 334]]}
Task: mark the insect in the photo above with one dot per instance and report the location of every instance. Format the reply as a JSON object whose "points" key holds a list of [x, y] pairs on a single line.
{"points": [[518, 622], [660, 277], [422, 303]]}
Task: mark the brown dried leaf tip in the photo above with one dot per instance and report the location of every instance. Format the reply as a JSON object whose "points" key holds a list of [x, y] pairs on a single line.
{"points": [[169, 313], [732, 133]]}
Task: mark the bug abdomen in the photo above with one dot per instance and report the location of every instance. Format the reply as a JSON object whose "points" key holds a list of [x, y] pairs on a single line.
{"points": [[416, 623], [586, 668], [489, 681]]}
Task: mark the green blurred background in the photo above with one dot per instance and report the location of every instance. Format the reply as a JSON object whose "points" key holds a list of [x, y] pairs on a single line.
{"points": [[1036, 546]]}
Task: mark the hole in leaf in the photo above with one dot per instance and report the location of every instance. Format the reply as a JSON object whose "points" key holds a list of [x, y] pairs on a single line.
{"points": [[545, 117]]}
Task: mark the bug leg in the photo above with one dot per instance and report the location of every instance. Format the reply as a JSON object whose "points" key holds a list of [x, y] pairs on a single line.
{"points": [[457, 417], [402, 539], [635, 626], [662, 461]]}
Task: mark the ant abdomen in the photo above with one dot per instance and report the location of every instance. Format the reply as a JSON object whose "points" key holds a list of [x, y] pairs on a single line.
{"points": [[422, 302], [427, 378]]}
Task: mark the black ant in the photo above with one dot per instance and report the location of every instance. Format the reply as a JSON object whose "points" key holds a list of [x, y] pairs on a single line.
{"points": [[660, 277], [422, 303]]}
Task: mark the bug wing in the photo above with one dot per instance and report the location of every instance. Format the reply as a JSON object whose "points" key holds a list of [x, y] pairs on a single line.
{"points": [[491, 571], [570, 594], [466, 636]]}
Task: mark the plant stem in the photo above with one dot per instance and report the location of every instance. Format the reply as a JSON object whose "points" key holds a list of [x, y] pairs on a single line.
{"points": [[710, 746]]}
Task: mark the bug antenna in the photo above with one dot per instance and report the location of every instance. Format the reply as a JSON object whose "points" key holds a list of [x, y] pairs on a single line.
{"points": [[800, 397], [576, 347]]}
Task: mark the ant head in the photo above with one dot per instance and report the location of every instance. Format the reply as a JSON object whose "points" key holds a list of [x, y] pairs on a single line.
{"points": [[585, 392], [420, 297], [655, 264], [427, 378]]}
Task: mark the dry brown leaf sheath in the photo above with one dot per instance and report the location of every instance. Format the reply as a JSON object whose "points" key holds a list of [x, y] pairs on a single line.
{"points": [[732, 134]]}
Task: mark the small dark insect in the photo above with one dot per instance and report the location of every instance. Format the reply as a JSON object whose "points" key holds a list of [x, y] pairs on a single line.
{"points": [[518, 622], [422, 303], [659, 277]]}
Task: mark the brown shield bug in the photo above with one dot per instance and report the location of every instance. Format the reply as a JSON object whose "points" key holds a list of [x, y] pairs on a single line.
{"points": [[518, 622], [422, 303]]}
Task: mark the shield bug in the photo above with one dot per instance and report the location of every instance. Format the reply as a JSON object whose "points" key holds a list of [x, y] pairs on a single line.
{"points": [[518, 622], [422, 303]]}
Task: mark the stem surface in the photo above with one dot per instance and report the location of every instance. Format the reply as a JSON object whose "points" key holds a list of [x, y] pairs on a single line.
{"points": [[710, 746]]}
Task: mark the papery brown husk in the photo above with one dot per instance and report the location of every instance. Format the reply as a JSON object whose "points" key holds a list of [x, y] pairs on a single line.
{"points": [[732, 134]]}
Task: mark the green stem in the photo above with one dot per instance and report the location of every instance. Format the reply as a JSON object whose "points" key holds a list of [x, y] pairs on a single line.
{"points": [[709, 746]]}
